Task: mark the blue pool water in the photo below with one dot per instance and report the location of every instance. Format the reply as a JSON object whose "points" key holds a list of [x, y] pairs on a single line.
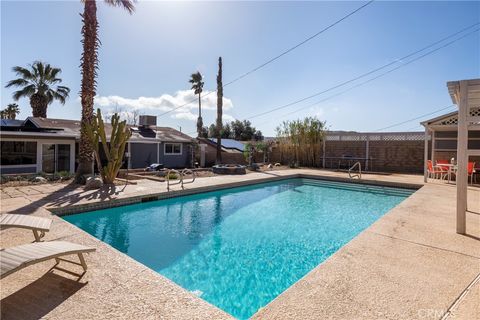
{"points": [[240, 248]]}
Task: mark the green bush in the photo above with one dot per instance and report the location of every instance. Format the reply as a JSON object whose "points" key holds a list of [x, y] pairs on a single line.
{"points": [[172, 176]]}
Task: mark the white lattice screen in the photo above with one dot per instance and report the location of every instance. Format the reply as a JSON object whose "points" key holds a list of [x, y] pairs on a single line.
{"points": [[389, 136]]}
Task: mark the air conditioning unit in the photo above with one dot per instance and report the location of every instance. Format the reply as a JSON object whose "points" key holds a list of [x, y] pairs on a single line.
{"points": [[147, 121]]}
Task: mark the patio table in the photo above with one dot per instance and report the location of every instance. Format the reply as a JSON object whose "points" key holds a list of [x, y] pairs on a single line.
{"points": [[452, 168]]}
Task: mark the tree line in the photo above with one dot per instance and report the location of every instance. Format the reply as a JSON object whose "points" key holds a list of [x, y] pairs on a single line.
{"points": [[237, 130]]}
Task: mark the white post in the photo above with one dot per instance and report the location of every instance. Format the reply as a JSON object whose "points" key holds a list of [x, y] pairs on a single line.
{"points": [[72, 157], [462, 157], [425, 157], [323, 158], [39, 157], [367, 151], [433, 146]]}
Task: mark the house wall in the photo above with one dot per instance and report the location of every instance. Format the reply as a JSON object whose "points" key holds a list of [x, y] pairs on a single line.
{"points": [[37, 167], [176, 161], [143, 154]]}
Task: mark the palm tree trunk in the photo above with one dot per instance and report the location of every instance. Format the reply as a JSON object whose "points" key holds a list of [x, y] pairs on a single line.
{"points": [[199, 120], [89, 63], [39, 105], [219, 111]]}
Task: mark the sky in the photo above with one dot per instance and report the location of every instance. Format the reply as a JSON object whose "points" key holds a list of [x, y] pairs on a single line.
{"points": [[146, 59]]}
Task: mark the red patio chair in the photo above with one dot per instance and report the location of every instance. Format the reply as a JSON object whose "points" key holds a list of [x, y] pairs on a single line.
{"points": [[471, 171], [433, 171], [441, 165]]}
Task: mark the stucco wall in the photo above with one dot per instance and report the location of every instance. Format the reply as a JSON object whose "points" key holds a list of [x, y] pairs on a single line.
{"points": [[142, 155]]}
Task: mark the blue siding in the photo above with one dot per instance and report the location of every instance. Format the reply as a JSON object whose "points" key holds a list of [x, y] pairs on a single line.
{"points": [[10, 170], [176, 161], [143, 154]]}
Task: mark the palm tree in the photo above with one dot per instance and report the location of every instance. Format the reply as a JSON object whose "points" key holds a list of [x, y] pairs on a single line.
{"points": [[219, 111], [197, 86], [10, 112], [37, 82], [89, 66]]}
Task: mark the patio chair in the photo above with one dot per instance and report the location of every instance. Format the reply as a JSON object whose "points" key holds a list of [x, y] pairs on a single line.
{"points": [[434, 171], [16, 258], [471, 171], [38, 225]]}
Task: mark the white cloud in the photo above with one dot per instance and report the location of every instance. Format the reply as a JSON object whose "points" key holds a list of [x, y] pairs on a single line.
{"points": [[228, 118], [185, 116], [317, 112], [184, 103]]}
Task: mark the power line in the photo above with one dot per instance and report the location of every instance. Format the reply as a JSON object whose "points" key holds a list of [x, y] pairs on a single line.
{"points": [[377, 69], [299, 44], [382, 74], [278, 56], [413, 119]]}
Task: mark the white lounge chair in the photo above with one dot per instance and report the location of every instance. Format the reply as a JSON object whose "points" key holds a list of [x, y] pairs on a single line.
{"points": [[16, 258], [38, 225]]}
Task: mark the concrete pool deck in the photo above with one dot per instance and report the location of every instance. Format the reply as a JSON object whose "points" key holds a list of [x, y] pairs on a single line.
{"points": [[410, 264]]}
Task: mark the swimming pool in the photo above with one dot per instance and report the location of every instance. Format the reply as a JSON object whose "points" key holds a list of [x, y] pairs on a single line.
{"points": [[239, 248]]}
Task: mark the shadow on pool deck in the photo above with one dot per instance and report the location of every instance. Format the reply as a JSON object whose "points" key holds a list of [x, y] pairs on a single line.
{"points": [[69, 195], [43, 295]]}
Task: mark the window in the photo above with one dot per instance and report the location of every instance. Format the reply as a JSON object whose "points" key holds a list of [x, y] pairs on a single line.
{"points": [[173, 148], [18, 153]]}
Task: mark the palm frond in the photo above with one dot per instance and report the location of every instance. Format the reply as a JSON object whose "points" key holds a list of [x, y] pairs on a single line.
{"points": [[24, 92], [23, 72], [17, 83], [60, 97], [125, 4]]}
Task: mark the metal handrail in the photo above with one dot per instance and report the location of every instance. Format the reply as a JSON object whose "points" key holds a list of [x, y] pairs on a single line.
{"points": [[185, 172], [359, 174], [180, 176]]}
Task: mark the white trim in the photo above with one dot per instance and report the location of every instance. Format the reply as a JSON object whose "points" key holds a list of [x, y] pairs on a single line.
{"points": [[172, 154], [37, 134]]}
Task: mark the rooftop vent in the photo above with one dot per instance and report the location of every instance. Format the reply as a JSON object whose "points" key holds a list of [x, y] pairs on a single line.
{"points": [[147, 121]]}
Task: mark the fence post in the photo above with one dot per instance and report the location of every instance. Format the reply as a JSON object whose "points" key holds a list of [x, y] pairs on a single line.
{"points": [[323, 160], [367, 151]]}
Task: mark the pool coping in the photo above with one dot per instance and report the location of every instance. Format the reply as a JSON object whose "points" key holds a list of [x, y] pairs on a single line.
{"points": [[112, 203]]}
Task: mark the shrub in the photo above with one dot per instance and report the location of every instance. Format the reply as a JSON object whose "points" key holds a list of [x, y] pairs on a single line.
{"points": [[172, 176]]}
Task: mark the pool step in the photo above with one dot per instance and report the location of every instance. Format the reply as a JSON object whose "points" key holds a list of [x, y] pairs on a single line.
{"points": [[359, 187]]}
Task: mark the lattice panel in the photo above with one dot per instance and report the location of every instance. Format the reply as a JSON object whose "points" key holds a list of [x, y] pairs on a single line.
{"points": [[475, 112], [402, 136], [449, 121]]}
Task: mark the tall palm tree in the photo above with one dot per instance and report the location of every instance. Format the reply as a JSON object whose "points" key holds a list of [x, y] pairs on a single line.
{"points": [[197, 86], [10, 112], [89, 66], [219, 111], [38, 82]]}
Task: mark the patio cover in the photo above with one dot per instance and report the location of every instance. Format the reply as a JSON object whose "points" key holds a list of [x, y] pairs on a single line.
{"points": [[466, 95]]}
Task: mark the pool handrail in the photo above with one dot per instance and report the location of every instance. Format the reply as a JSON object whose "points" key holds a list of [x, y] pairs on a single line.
{"points": [[185, 172], [180, 178], [359, 174]]}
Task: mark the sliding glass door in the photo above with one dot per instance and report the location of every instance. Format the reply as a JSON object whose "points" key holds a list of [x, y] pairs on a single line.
{"points": [[55, 157], [48, 158]]}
